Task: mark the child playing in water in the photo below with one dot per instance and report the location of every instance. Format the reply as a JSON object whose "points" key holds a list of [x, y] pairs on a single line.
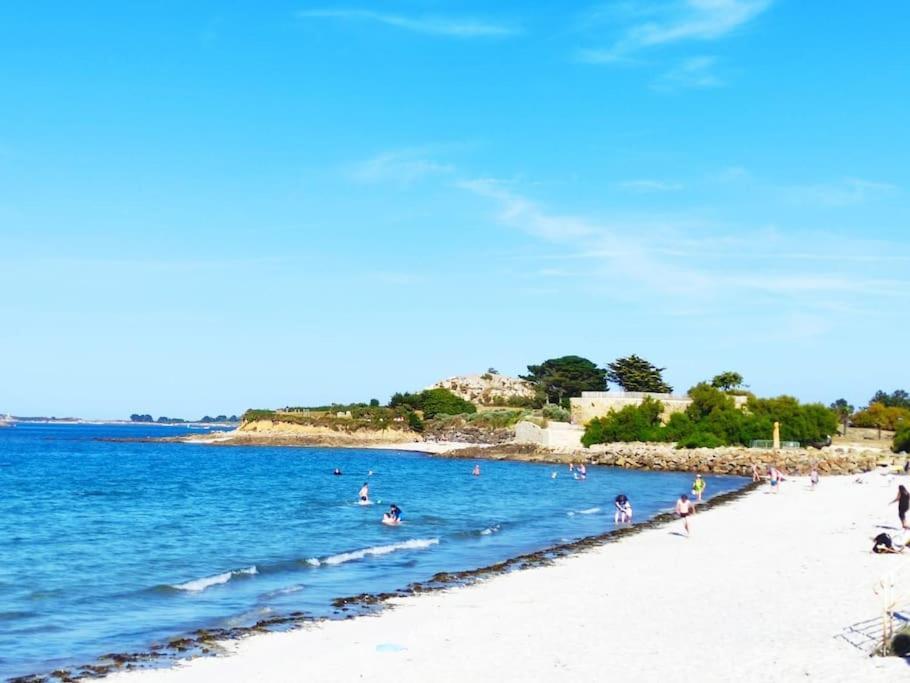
{"points": [[364, 494]]}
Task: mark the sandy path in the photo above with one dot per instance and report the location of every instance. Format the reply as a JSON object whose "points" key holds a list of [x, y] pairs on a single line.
{"points": [[758, 593]]}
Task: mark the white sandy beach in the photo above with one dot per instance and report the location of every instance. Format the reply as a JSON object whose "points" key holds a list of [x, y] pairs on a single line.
{"points": [[758, 593]]}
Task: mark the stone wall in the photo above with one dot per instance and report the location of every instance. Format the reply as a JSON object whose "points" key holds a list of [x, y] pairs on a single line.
{"points": [[738, 460], [556, 435], [593, 404]]}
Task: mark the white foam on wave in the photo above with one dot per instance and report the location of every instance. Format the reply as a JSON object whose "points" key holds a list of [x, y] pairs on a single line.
{"points": [[313, 562], [413, 544], [589, 511], [197, 585], [490, 530]]}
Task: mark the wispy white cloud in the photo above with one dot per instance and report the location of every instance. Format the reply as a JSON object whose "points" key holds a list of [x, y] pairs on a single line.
{"points": [[655, 252], [674, 22], [644, 185], [524, 213], [430, 25], [695, 72], [400, 167], [847, 192]]}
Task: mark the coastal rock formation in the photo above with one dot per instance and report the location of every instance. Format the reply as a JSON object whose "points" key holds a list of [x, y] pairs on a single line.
{"points": [[487, 389], [269, 431], [658, 457]]}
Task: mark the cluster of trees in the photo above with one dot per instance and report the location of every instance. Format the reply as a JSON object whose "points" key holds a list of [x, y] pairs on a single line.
{"points": [[559, 379], [712, 420], [886, 411], [432, 402], [136, 417]]}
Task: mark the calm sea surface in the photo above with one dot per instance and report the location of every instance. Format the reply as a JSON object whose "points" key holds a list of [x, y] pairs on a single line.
{"points": [[111, 547]]}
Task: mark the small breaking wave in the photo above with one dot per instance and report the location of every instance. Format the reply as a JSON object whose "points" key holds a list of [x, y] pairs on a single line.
{"points": [[491, 530], [588, 511], [354, 555], [198, 585]]}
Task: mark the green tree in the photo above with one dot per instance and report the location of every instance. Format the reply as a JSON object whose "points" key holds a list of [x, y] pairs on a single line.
{"points": [[706, 398], [843, 410], [561, 378], [896, 399], [374, 403], [633, 373], [433, 402], [443, 402], [727, 381]]}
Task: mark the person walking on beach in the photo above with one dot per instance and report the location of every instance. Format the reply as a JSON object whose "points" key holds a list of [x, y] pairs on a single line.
{"points": [[685, 508], [774, 478], [756, 475], [698, 487], [364, 494], [813, 477], [903, 504]]}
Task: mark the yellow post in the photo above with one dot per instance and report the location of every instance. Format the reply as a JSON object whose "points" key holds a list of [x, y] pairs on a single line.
{"points": [[777, 436]]}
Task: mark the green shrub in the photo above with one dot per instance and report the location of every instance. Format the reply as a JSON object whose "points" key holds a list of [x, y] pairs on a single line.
{"points": [[433, 402], [705, 400], [632, 423], [701, 440], [902, 441], [556, 413], [415, 423]]}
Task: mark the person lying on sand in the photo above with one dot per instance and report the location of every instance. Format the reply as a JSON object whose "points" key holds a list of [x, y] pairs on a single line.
{"points": [[884, 545]]}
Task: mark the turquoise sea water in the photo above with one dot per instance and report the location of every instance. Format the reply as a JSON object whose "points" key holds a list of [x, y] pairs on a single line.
{"points": [[112, 547]]}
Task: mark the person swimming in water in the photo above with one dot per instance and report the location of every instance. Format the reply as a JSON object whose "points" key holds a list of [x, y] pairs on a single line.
{"points": [[698, 487], [364, 494], [582, 471], [393, 516], [336, 472], [685, 508], [476, 471]]}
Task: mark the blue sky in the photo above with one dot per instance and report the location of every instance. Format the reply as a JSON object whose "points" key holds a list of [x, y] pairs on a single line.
{"points": [[211, 206]]}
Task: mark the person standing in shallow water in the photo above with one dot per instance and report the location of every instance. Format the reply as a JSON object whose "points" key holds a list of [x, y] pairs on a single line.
{"points": [[903, 504], [476, 471], [698, 487], [685, 508]]}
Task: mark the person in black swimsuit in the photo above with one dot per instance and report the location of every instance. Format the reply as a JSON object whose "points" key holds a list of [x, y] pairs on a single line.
{"points": [[903, 504]]}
